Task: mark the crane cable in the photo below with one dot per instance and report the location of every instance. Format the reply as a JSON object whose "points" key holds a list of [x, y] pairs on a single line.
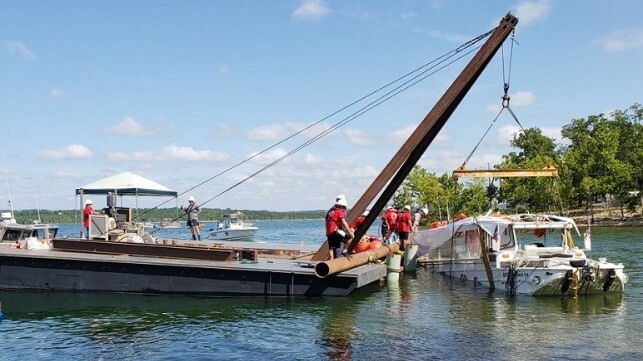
{"points": [[506, 77]]}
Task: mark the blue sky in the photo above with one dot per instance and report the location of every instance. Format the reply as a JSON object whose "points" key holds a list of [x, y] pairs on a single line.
{"points": [[179, 91]]}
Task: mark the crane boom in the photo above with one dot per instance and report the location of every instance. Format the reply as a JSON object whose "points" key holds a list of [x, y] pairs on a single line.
{"points": [[394, 173]]}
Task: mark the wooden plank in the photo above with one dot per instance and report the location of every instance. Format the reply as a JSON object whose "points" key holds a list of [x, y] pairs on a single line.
{"points": [[153, 250]]}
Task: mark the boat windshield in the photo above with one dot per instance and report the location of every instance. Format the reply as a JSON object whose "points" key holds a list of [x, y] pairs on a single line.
{"points": [[46, 232], [16, 234]]}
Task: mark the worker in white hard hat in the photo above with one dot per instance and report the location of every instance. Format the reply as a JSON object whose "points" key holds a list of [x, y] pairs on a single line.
{"points": [[192, 211], [420, 214], [338, 233], [89, 210]]}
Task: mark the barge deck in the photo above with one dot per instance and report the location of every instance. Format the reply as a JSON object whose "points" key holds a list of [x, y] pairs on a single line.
{"points": [[72, 270]]}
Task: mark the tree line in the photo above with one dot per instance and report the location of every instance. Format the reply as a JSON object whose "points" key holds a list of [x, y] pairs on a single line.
{"points": [[600, 159], [28, 216]]}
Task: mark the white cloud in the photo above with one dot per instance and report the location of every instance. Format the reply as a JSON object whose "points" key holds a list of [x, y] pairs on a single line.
{"points": [[522, 98], [267, 157], [359, 138], [311, 10], [401, 135], [173, 152], [169, 153], [622, 40], [446, 161], [276, 132], [518, 99], [493, 108], [404, 133], [18, 48], [271, 132], [506, 134], [129, 126], [552, 132], [532, 10], [66, 175], [457, 38], [56, 93], [312, 159], [72, 151], [222, 130], [117, 157]]}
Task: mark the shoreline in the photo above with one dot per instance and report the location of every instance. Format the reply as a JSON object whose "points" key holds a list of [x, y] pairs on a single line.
{"points": [[602, 221]]}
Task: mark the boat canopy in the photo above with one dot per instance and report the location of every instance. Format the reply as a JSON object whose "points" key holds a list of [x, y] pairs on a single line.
{"points": [[430, 239], [127, 184]]}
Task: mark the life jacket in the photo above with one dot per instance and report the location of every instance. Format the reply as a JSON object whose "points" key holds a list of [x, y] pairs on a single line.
{"points": [[403, 220], [358, 222], [334, 219], [390, 217]]}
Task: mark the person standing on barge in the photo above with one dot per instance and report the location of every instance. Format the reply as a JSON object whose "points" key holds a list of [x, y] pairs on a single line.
{"points": [[192, 210], [338, 232]]}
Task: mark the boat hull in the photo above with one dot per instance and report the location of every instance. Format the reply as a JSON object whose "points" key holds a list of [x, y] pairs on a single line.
{"points": [[232, 234], [550, 281]]}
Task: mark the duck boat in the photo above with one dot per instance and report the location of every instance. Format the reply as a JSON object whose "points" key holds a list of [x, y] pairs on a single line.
{"points": [[521, 254]]}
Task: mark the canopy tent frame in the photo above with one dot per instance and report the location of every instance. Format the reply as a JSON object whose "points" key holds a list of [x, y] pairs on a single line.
{"points": [[125, 184]]}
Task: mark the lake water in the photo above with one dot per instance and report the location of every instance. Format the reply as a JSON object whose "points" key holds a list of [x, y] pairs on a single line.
{"points": [[425, 317]]}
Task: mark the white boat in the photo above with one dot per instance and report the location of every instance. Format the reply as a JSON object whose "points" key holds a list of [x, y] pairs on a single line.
{"points": [[523, 253], [36, 235], [167, 223], [233, 227]]}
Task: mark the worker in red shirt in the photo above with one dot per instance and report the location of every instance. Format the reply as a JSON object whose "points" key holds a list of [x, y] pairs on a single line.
{"points": [[358, 222], [389, 221], [89, 210], [404, 226], [338, 232]]}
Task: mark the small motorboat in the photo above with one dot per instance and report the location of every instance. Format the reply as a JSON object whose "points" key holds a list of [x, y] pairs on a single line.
{"points": [[233, 227]]}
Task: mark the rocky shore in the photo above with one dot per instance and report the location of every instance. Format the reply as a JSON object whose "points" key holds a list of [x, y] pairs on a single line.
{"points": [[610, 219]]}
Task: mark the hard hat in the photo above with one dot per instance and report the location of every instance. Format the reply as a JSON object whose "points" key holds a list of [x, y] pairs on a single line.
{"points": [[390, 207], [89, 201], [425, 211], [365, 213], [340, 196], [190, 199], [341, 202], [408, 208]]}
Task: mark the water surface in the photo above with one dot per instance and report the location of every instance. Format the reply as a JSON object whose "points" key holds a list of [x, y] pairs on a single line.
{"points": [[425, 316]]}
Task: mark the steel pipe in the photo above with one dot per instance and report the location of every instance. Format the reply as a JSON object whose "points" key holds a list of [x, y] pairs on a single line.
{"points": [[337, 265]]}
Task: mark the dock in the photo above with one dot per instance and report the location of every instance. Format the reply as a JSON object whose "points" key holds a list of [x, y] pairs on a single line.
{"points": [[100, 270]]}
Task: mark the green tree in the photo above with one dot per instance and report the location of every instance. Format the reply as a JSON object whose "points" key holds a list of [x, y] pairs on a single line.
{"points": [[593, 162], [630, 152], [535, 151]]}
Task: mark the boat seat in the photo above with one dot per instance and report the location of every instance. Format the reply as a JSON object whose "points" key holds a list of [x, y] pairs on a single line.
{"points": [[114, 234]]}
